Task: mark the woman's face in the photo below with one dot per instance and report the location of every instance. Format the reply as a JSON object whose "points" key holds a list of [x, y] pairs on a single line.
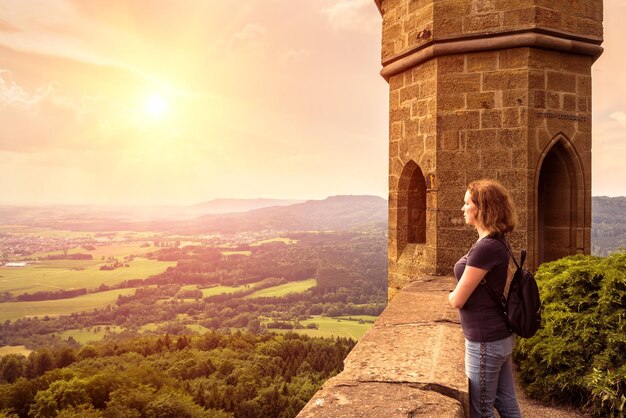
{"points": [[469, 209]]}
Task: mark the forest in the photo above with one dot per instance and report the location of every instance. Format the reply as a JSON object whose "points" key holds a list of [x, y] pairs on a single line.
{"points": [[608, 225], [213, 375]]}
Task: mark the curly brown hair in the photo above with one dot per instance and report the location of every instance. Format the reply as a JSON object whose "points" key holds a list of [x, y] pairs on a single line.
{"points": [[495, 211]]}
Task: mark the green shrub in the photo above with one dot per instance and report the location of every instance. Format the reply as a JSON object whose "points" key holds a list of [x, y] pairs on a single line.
{"points": [[578, 356]]}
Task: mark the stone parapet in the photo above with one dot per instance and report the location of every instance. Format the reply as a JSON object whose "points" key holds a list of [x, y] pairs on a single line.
{"points": [[411, 362]]}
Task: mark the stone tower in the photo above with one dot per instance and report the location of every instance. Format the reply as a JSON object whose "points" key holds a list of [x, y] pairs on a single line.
{"points": [[487, 89]]}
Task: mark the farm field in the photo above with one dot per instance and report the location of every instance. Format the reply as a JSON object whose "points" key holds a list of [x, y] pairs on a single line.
{"points": [[86, 335], [332, 327], [14, 349], [277, 239], [50, 275], [215, 290], [283, 289], [119, 250], [89, 302], [246, 252]]}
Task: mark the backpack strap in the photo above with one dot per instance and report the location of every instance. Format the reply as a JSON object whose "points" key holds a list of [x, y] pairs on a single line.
{"points": [[500, 302]]}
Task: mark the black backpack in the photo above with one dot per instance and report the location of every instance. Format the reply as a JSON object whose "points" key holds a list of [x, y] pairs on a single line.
{"points": [[522, 309]]}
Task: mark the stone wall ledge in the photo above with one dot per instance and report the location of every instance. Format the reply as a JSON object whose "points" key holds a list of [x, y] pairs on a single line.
{"points": [[410, 363], [489, 42]]}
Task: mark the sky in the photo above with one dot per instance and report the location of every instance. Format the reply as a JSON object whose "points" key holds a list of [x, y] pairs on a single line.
{"points": [[161, 102]]}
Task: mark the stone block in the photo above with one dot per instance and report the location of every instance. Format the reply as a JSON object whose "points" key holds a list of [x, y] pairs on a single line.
{"points": [[392, 31], [419, 108], [449, 140], [482, 23], [569, 102], [490, 119], [513, 58], [415, 5], [428, 88], [538, 99], [557, 81], [451, 9], [430, 141], [379, 399], [455, 237], [451, 179], [393, 148], [513, 178], [480, 100], [451, 64], [481, 139], [482, 61], [396, 82], [411, 129], [451, 218], [554, 100], [451, 198], [511, 118], [448, 27], [518, 18], [391, 354], [409, 93], [395, 131], [505, 80], [581, 104], [399, 115], [458, 120], [511, 138], [579, 64], [424, 71], [514, 98], [458, 84], [547, 17], [422, 301], [583, 85], [495, 159], [536, 80], [451, 102], [427, 125], [450, 160]]}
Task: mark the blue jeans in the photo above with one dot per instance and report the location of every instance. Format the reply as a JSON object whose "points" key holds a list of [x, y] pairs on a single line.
{"points": [[488, 367]]}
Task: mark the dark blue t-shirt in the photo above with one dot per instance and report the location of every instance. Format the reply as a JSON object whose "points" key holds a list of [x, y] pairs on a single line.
{"points": [[481, 319]]}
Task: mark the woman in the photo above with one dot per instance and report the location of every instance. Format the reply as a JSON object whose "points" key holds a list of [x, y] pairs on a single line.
{"points": [[488, 341]]}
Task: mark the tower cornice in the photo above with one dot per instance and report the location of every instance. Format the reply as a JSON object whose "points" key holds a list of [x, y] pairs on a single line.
{"points": [[536, 38]]}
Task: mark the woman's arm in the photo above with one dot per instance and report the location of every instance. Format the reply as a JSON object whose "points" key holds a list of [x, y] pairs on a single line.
{"points": [[465, 287]]}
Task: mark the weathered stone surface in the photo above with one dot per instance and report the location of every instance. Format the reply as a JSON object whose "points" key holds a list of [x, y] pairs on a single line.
{"points": [[379, 400], [422, 301], [427, 354]]}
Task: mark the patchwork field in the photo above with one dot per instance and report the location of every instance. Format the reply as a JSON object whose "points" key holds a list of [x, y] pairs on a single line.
{"points": [[277, 239], [284, 289], [87, 335], [333, 327], [85, 303], [14, 349], [74, 274]]}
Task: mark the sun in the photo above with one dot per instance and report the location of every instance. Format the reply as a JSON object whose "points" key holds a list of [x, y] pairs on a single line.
{"points": [[156, 106]]}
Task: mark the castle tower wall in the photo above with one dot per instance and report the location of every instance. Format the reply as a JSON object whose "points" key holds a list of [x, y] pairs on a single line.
{"points": [[487, 89]]}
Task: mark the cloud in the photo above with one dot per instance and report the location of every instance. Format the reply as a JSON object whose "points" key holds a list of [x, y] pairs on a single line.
{"points": [[620, 117], [295, 55], [44, 119], [250, 35], [354, 15]]}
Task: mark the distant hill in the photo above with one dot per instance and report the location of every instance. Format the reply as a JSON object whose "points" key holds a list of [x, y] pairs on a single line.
{"points": [[240, 205], [332, 213], [608, 224]]}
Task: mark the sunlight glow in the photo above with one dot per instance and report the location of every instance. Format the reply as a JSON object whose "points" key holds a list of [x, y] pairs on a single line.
{"points": [[156, 106]]}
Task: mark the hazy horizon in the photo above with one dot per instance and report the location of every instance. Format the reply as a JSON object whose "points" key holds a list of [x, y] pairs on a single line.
{"points": [[122, 104]]}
